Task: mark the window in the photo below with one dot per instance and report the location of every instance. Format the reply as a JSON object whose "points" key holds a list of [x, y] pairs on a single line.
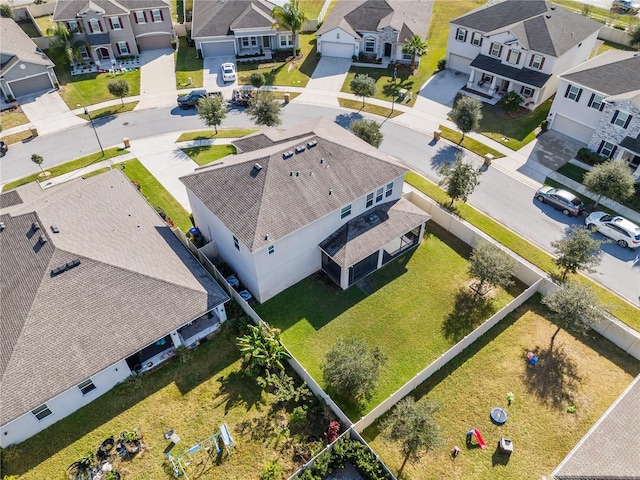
{"points": [[527, 91], [236, 243], [461, 35], [41, 412], [73, 26], [140, 16], [345, 211], [476, 39], [370, 45], [607, 149], [84, 52], [369, 200], [95, 25], [245, 41], [116, 23], [513, 57], [157, 15], [596, 101], [86, 387], [389, 191], [379, 193], [573, 93], [496, 50], [537, 61], [286, 41], [123, 47], [486, 78], [406, 56], [621, 119], [271, 249]]}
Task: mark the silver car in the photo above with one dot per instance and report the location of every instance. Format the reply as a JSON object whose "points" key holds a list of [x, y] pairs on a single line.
{"points": [[624, 232], [560, 199]]}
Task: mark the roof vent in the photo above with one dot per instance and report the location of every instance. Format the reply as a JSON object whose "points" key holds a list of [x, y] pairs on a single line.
{"points": [[312, 143], [286, 155], [548, 16], [553, 7], [373, 217], [55, 229], [291, 173], [300, 149], [2, 226], [297, 173], [35, 226], [322, 160], [42, 240], [67, 266], [266, 237], [257, 166], [330, 191]]}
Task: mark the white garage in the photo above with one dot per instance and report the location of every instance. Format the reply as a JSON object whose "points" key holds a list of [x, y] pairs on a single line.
{"points": [[459, 63], [571, 128], [31, 85], [335, 49], [154, 42], [216, 49]]}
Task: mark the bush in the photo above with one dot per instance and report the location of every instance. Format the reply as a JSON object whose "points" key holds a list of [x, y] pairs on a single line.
{"points": [[589, 156], [544, 125], [620, 27], [160, 211], [442, 64], [272, 471], [511, 102]]}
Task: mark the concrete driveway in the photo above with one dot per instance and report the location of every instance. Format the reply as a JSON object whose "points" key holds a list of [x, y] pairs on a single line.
{"points": [[48, 113], [554, 149], [157, 79], [442, 88], [212, 78], [330, 74]]}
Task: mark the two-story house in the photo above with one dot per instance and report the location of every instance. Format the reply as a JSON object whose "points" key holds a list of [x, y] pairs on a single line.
{"points": [[518, 45], [373, 28], [598, 103], [312, 198], [116, 28]]}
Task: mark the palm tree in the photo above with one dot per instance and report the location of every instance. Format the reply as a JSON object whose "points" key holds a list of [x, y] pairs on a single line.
{"points": [[62, 48], [291, 17], [415, 47], [261, 350]]}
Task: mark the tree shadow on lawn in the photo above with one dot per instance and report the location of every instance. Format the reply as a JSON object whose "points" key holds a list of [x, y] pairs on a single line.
{"points": [[238, 389], [393, 88], [469, 311]]}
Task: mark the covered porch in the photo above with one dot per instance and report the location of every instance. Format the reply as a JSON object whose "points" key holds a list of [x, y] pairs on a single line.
{"points": [[630, 153], [256, 45], [193, 332], [371, 240]]}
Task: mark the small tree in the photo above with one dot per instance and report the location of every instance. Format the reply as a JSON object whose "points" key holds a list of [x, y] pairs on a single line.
{"points": [[611, 179], [257, 80], [575, 305], [577, 249], [467, 114], [511, 102], [461, 179], [261, 350], [412, 425], [352, 369], [212, 110], [61, 47], [489, 264], [5, 11], [367, 130], [265, 110], [363, 86], [415, 47], [37, 159], [586, 9], [119, 88], [634, 35]]}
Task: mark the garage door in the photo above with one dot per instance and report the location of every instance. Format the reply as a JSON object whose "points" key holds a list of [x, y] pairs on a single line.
{"points": [[154, 42], [572, 129], [333, 49], [459, 63], [31, 85], [216, 49]]}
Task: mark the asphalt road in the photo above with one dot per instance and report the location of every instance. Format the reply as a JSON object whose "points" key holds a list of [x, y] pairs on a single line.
{"points": [[499, 195]]}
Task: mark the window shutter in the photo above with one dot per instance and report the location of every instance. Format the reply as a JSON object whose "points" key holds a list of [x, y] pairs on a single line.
{"points": [[90, 27], [615, 116], [541, 63], [144, 14], [500, 52], [100, 25], [118, 47], [531, 60], [111, 24], [578, 97], [68, 26], [480, 42], [601, 105], [566, 94], [161, 16], [135, 16], [593, 95], [600, 147], [613, 151], [518, 57], [465, 35], [79, 24], [128, 49], [626, 124]]}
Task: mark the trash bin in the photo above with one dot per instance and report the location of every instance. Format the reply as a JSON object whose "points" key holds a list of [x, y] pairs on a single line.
{"points": [[287, 97], [127, 142], [436, 134], [487, 159], [34, 131], [194, 232]]}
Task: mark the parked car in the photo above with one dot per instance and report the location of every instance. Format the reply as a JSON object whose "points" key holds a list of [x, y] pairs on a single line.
{"points": [[560, 199], [625, 6], [191, 99], [624, 232], [228, 72], [4, 148]]}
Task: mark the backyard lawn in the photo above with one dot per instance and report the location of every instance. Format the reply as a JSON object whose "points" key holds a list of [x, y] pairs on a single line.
{"points": [[193, 398], [589, 373], [188, 66], [91, 88], [419, 306], [311, 7]]}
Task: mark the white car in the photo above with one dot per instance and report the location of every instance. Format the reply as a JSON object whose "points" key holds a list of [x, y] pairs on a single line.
{"points": [[228, 72], [623, 231]]}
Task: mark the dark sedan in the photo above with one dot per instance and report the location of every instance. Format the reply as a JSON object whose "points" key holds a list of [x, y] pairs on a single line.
{"points": [[561, 200]]}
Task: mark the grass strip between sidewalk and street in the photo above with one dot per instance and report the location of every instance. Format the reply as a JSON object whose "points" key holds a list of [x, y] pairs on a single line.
{"points": [[368, 108], [211, 134], [109, 111], [469, 143], [17, 137], [621, 309]]}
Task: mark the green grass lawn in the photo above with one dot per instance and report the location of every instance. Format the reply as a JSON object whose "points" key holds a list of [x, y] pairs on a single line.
{"points": [[209, 134], [514, 133], [611, 46], [624, 311], [44, 23], [193, 399], [597, 13], [109, 111], [368, 108], [589, 373], [469, 143], [16, 137], [91, 88], [12, 118], [187, 66], [385, 87], [421, 305], [210, 153], [311, 7]]}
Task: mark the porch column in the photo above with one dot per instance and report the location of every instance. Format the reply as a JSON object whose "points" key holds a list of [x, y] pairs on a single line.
{"points": [[492, 89], [175, 338], [380, 255], [636, 174], [472, 78], [221, 312], [422, 227], [344, 278]]}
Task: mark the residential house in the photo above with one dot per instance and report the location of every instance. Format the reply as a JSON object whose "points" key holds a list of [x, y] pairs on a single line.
{"points": [[24, 68], [94, 285], [374, 28], [518, 45], [238, 27], [312, 198], [113, 29], [598, 103]]}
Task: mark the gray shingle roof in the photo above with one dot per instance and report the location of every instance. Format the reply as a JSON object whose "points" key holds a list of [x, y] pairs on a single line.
{"points": [[632, 144], [522, 75], [213, 18], [538, 25], [409, 17], [612, 73], [609, 451], [365, 234], [135, 284], [276, 202], [69, 9], [17, 44]]}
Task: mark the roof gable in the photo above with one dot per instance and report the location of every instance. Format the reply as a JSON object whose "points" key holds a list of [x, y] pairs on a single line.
{"points": [[214, 18], [501, 14], [252, 17], [17, 44], [612, 73]]}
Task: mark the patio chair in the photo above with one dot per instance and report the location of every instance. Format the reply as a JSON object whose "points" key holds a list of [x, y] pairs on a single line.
{"points": [[226, 438]]}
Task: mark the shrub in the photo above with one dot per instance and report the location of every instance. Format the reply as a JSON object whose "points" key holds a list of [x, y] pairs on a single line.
{"points": [[160, 211], [511, 102], [442, 64], [544, 125], [333, 432], [589, 156], [620, 27], [299, 415], [272, 471]]}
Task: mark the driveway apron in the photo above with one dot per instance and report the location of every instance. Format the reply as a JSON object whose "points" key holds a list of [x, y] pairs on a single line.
{"points": [[48, 113], [212, 78], [326, 81], [157, 79], [554, 149]]}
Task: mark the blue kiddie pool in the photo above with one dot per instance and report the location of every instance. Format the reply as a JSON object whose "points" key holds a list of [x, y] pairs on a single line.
{"points": [[498, 415]]}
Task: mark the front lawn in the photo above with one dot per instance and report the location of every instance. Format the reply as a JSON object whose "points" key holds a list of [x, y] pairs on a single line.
{"points": [[368, 108], [469, 143], [91, 88], [419, 307], [589, 373], [12, 118], [514, 133], [385, 86], [210, 153], [209, 134], [188, 66]]}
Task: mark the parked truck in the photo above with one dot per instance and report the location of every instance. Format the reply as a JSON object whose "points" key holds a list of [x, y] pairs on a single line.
{"points": [[192, 98]]}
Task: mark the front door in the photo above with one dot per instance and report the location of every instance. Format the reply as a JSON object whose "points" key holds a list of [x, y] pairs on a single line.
{"points": [[266, 41], [387, 49], [505, 85], [103, 53]]}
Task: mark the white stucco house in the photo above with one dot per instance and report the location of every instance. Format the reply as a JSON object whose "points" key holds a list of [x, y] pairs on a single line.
{"points": [[312, 198], [373, 28], [598, 104], [518, 45], [94, 286]]}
